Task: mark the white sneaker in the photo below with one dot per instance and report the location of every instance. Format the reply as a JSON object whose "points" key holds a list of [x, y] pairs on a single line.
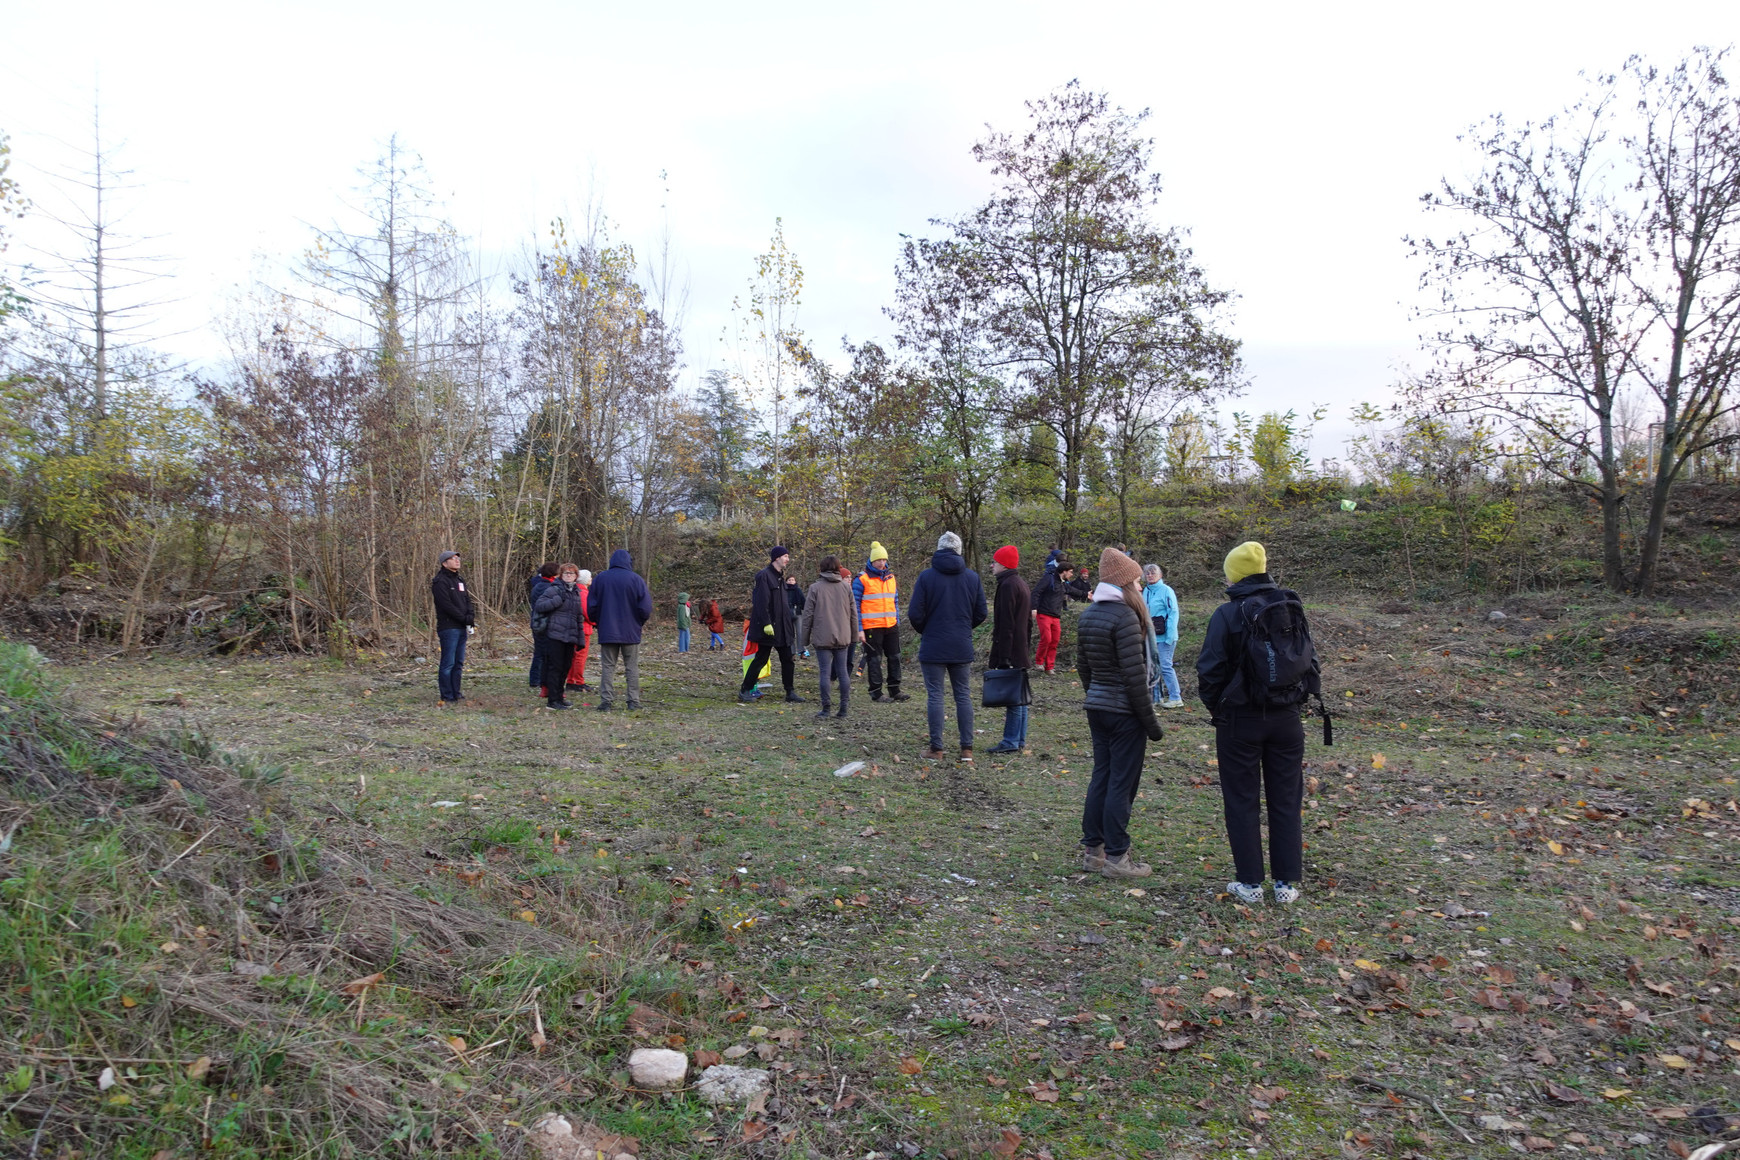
{"points": [[1249, 895], [1286, 893], [1172, 704]]}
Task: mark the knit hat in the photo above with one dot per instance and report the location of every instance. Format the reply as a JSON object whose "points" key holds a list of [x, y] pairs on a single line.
{"points": [[444, 557], [1246, 560], [877, 551], [1117, 568], [585, 576], [948, 542], [1008, 555], [776, 552]]}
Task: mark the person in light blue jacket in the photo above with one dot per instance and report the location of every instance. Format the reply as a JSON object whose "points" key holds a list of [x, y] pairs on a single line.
{"points": [[1163, 602]]}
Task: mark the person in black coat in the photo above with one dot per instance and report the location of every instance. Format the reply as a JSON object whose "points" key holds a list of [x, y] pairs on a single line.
{"points": [[948, 602], [1011, 638], [453, 624], [772, 627], [534, 585], [559, 603], [1114, 658], [1260, 747]]}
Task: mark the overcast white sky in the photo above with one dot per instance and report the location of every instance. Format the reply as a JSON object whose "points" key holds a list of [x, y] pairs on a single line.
{"points": [[1294, 140]]}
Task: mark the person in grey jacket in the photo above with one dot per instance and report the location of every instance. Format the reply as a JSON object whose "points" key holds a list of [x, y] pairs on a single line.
{"points": [[1115, 659], [830, 625]]}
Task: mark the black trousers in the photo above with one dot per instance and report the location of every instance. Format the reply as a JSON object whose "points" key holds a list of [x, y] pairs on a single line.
{"points": [[762, 648], [558, 659], [1120, 742], [1262, 755], [880, 643]]}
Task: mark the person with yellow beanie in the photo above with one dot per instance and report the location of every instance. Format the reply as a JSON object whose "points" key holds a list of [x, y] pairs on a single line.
{"points": [[1256, 669], [876, 594]]}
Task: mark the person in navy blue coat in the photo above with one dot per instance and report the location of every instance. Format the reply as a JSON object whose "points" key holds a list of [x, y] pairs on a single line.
{"points": [[948, 602], [618, 604]]}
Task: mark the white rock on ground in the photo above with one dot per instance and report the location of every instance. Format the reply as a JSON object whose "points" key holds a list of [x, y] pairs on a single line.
{"points": [[555, 1137], [725, 1083], [658, 1069]]}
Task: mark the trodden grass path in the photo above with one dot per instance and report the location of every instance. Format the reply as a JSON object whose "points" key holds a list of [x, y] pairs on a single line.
{"points": [[1518, 931]]}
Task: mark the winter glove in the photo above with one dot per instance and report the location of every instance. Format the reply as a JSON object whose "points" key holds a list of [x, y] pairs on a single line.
{"points": [[1156, 733], [768, 631]]}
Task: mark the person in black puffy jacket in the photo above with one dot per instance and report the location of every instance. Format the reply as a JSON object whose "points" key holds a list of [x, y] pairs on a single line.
{"points": [[948, 602], [559, 604], [1114, 658]]}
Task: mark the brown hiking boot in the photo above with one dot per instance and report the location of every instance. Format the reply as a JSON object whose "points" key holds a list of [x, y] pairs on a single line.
{"points": [[966, 755], [1093, 858], [936, 754], [1125, 866]]}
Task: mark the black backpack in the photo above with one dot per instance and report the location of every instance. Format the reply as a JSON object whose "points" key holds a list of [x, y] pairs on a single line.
{"points": [[1279, 661]]}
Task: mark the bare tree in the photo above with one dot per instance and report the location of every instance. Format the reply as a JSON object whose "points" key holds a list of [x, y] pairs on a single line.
{"points": [[1687, 282], [1600, 257]]}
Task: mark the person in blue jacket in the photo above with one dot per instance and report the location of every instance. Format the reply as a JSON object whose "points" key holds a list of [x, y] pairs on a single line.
{"points": [[1163, 612], [948, 602], [618, 604]]}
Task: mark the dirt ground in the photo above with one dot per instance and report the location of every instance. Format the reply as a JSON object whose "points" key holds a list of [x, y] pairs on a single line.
{"points": [[1522, 898]]}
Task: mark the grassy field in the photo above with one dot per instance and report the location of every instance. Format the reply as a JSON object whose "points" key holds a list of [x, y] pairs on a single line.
{"points": [[1522, 902]]}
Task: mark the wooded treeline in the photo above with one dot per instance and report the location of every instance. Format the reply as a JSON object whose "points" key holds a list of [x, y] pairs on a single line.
{"points": [[1057, 365]]}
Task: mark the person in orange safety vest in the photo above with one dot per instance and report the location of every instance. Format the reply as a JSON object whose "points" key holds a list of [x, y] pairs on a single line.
{"points": [[878, 599]]}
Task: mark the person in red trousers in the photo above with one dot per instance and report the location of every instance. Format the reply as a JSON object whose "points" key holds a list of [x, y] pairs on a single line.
{"points": [[1048, 600]]}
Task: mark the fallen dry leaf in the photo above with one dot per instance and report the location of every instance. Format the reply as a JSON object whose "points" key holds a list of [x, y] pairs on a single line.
{"points": [[1614, 1093], [1564, 1094], [754, 1130], [358, 986], [1678, 1062], [1377, 761], [910, 1066], [198, 1068], [1009, 1144]]}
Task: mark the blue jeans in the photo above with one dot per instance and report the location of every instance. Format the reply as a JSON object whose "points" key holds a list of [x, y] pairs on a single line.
{"points": [[682, 640], [1168, 675], [452, 662], [1015, 726], [535, 677], [834, 668], [961, 679], [717, 641]]}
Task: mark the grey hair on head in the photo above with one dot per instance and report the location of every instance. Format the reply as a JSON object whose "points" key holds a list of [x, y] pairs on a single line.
{"points": [[1152, 572], [948, 542]]}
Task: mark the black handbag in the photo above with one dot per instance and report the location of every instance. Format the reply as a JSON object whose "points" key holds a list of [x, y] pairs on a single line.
{"points": [[1159, 625], [1007, 687]]}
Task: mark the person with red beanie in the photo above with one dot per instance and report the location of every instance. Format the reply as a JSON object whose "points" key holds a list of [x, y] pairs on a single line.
{"points": [[1011, 638]]}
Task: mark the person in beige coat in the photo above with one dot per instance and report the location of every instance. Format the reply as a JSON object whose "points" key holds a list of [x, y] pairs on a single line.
{"points": [[829, 626]]}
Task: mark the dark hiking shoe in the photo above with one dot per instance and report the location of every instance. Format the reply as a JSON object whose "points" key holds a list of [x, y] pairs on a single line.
{"points": [[823, 715], [1125, 866], [896, 695], [877, 697], [841, 713], [794, 699], [634, 706], [558, 705], [1093, 858], [605, 706], [1005, 748], [749, 697]]}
